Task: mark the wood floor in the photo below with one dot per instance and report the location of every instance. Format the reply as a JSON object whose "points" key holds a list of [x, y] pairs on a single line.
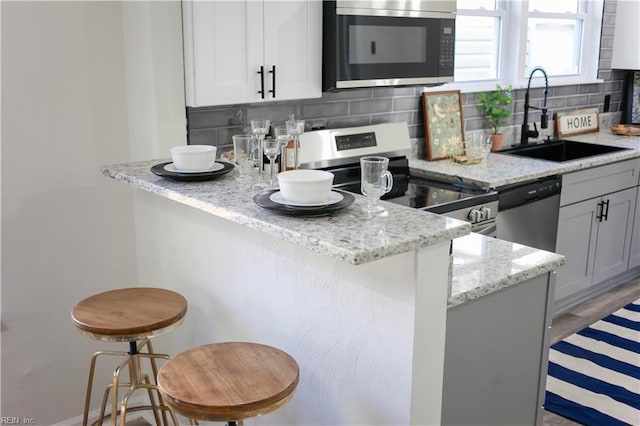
{"points": [[583, 315]]}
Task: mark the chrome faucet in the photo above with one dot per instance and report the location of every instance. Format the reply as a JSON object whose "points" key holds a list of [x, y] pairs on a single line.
{"points": [[544, 119]]}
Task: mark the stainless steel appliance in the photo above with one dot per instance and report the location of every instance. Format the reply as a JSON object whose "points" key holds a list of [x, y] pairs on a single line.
{"points": [[339, 151], [529, 213], [368, 43]]}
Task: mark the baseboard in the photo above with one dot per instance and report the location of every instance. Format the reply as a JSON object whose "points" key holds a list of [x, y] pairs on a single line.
{"points": [[563, 305]]}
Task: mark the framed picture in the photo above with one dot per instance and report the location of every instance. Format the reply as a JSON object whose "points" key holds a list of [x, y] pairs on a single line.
{"points": [[443, 125], [633, 98]]}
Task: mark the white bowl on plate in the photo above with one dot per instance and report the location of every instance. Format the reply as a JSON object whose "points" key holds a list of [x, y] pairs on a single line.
{"points": [[305, 186], [193, 158]]}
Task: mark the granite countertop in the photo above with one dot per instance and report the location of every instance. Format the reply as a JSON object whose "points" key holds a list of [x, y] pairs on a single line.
{"points": [[483, 265], [346, 235], [501, 169]]}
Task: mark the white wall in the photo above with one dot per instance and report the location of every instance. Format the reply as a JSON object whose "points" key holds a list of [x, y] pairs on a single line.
{"points": [[83, 84]]}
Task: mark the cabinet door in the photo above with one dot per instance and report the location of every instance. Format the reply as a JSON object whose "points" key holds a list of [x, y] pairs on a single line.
{"points": [[223, 50], [227, 42], [614, 235], [634, 253], [293, 44], [577, 233]]}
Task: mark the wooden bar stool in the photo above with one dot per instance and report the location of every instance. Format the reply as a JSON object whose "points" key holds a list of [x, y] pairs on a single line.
{"points": [[132, 315], [228, 381]]}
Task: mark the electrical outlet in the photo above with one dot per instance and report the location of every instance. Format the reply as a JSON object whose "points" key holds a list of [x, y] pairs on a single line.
{"points": [[319, 124]]}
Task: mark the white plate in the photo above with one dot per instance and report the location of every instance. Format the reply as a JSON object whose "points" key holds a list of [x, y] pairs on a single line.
{"points": [[216, 166], [334, 197]]}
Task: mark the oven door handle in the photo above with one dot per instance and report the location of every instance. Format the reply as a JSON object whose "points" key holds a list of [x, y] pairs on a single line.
{"points": [[489, 230]]}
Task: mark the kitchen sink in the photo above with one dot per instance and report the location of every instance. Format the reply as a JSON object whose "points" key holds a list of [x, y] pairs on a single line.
{"points": [[561, 150]]}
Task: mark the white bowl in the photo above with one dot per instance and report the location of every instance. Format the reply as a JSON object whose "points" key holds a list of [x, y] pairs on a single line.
{"points": [[193, 158], [305, 186]]}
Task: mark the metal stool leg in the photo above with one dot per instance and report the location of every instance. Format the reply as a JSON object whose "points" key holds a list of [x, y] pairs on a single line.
{"points": [[138, 380], [92, 367], [154, 370]]}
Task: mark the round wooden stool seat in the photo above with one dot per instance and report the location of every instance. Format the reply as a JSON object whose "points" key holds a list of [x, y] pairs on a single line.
{"points": [[228, 381], [132, 315], [129, 314]]}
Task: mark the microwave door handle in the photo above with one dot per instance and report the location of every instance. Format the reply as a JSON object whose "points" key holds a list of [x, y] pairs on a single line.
{"points": [[373, 47]]}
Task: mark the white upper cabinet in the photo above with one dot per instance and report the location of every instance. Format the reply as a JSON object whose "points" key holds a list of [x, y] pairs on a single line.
{"points": [[252, 51]]}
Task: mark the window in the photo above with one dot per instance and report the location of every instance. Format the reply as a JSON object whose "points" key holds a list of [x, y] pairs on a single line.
{"points": [[501, 41], [478, 35]]}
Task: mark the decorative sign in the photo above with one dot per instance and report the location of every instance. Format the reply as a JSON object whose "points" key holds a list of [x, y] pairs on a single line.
{"points": [[577, 122], [443, 124]]}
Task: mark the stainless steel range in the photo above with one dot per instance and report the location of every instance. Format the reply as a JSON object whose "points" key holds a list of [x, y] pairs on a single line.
{"points": [[339, 151]]}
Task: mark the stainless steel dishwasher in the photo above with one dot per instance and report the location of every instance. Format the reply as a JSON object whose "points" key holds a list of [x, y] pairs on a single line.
{"points": [[528, 212]]}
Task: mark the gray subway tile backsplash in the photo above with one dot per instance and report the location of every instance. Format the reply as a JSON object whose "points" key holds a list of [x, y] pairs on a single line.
{"points": [[411, 103], [370, 106], [326, 110], [208, 118], [565, 90], [577, 101], [406, 116]]}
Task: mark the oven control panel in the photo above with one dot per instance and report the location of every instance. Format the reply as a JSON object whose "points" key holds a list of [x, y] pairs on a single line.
{"points": [[337, 147], [355, 141]]}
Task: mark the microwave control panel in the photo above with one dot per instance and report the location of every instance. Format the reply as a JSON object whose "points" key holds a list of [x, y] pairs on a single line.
{"points": [[447, 45]]}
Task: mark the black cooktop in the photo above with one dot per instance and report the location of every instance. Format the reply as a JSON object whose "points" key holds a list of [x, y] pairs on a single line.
{"points": [[417, 192]]}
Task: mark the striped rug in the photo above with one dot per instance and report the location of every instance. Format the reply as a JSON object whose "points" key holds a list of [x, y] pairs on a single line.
{"points": [[594, 375]]}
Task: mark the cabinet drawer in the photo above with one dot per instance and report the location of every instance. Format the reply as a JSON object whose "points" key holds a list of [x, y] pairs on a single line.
{"points": [[594, 182]]}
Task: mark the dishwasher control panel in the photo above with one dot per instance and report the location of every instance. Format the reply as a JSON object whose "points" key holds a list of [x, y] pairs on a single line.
{"points": [[519, 194]]}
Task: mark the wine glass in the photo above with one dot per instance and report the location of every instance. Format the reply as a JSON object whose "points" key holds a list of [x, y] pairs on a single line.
{"points": [[295, 128], [281, 130], [271, 149], [376, 181], [260, 128]]}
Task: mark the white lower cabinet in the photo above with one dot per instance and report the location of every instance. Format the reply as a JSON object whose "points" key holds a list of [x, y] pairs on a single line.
{"points": [[595, 236], [245, 51]]}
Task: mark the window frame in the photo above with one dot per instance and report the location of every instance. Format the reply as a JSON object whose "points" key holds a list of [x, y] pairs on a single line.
{"points": [[511, 68]]}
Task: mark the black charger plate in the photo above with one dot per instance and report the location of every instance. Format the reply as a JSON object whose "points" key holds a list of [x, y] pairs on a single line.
{"points": [[159, 170], [263, 200]]}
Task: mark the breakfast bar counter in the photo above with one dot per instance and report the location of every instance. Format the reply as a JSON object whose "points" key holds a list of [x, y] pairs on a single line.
{"points": [[346, 235], [335, 292]]}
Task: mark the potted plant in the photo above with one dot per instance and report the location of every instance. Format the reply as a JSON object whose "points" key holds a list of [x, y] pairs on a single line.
{"points": [[496, 107]]}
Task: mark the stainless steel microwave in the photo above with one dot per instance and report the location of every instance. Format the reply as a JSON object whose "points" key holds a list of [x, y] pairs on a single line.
{"points": [[371, 43]]}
